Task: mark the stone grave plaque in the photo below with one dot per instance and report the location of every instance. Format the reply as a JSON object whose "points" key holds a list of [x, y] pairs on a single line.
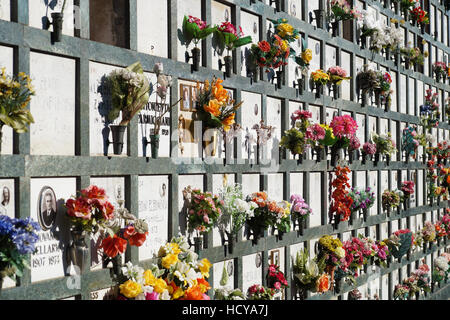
{"points": [[275, 186], [188, 8], [294, 70], [330, 54], [251, 270], [250, 27], [7, 209], [53, 106], [394, 94], [272, 151], [40, 15], [99, 107], [152, 34], [314, 45], [6, 61], [250, 183], [146, 123], [47, 199], [224, 270], [154, 209], [296, 184], [219, 13], [403, 96], [345, 85], [295, 8], [104, 294], [115, 190], [251, 115], [315, 199], [373, 184], [196, 182], [411, 94], [360, 132], [219, 182], [5, 10]]}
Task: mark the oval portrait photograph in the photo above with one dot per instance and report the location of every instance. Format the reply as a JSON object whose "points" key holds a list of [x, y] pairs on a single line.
{"points": [[47, 208]]}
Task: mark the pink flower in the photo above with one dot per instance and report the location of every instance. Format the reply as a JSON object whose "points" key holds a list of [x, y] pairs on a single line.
{"points": [[152, 296], [354, 143], [369, 148], [230, 28], [315, 132], [206, 218], [338, 71], [205, 297], [200, 23], [344, 126], [301, 114], [277, 285]]}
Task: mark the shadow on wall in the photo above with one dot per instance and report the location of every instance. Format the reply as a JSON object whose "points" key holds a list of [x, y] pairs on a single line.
{"points": [[45, 20], [104, 107]]}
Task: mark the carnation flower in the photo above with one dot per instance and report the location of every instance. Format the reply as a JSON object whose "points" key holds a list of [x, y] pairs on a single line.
{"points": [[344, 126]]}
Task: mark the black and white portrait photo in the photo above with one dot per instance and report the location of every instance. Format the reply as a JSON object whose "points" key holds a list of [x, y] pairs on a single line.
{"points": [[186, 97], [258, 260], [47, 208], [6, 196]]}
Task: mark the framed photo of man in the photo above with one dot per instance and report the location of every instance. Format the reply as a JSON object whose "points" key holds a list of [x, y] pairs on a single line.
{"points": [[47, 208]]}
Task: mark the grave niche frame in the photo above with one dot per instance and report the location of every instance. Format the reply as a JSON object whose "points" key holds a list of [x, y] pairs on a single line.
{"points": [[21, 166]]}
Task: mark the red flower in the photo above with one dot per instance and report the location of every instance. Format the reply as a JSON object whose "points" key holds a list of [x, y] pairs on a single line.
{"points": [[94, 192], [128, 231], [264, 46], [138, 239], [113, 246]]}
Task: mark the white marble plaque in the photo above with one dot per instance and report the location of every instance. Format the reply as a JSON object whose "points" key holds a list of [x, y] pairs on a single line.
{"points": [[219, 13], [152, 34], [7, 208], [314, 45], [41, 10], [403, 96], [5, 10], [275, 186], [360, 132], [154, 209], [218, 271], [115, 190], [219, 182], [250, 183], [53, 106], [346, 65], [412, 103], [394, 94], [251, 115], [294, 70], [47, 201], [251, 270], [187, 7], [196, 182], [146, 123], [274, 119], [315, 184], [373, 184], [99, 107], [250, 27], [6, 61], [330, 57], [296, 184], [295, 8]]}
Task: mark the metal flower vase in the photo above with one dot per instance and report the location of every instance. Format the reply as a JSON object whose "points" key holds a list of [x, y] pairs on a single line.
{"points": [[154, 142], [57, 22], [78, 250], [118, 133]]}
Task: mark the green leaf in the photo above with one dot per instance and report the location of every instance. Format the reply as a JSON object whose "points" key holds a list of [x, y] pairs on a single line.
{"points": [[242, 42]]}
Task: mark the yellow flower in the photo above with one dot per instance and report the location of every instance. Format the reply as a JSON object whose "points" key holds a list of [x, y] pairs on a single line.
{"points": [[402, 21], [160, 285], [130, 289], [285, 29], [204, 266], [425, 54], [213, 107], [149, 278], [169, 260], [228, 121], [307, 55], [284, 46], [424, 42]]}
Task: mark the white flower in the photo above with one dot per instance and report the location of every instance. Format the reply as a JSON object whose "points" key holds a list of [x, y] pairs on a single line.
{"points": [[140, 296], [191, 276], [133, 272], [165, 295], [164, 81], [241, 205], [441, 263]]}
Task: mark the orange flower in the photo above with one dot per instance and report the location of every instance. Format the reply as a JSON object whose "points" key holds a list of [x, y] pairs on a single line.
{"points": [[203, 285], [213, 107], [228, 122], [322, 283], [448, 179], [193, 293], [219, 92]]}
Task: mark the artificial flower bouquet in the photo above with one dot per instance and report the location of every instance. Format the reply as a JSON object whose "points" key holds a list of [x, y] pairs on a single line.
{"points": [[390, 199], [441, 269], [428, 232], [440, 70], [342, 11], [408, 188], [276, 279], [401, 292], [270, 55], [383, 91], [15, 94], [309, 273], [363, 199], [18, 238], [195, 30], [130, 92], [367, 80], [410, 141], [282, 212], [368, 149], [381, 254], [400, 242], [357, 254], [368, 24], [419, 15], [353, 146], [228, 37], [304, 59], [331, 250], [413, 56], [419, 281], [296, 139], [263, 214], [285, 31], [385, 144], [235, 210], [341, 202], [320, 78], [344, 130], [259, 292], [300, 209], [337, 75], [90, 211], [178, 275], [217, 110], [429, 111], [204, 210]]}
